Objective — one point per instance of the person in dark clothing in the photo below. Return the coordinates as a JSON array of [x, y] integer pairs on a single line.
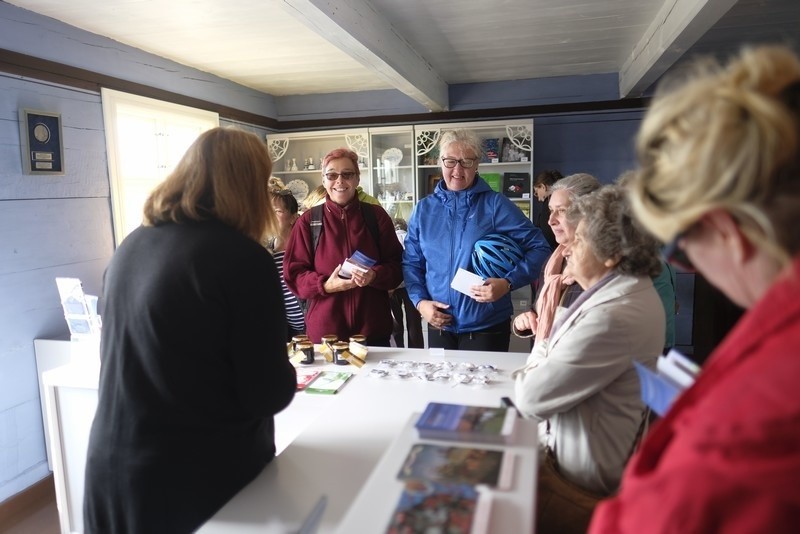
[[193, 354], [542, 185]]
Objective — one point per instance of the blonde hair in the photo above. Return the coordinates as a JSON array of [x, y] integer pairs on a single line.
[[317, 196], [725, 139], [223, 175]]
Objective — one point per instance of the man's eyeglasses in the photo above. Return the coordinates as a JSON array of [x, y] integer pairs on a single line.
[[347, 175], [451, 162], [674, 254]]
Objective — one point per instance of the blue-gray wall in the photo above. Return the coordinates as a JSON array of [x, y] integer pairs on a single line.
[[61, 225]]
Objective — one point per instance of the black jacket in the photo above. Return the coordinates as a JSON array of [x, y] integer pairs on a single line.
[[193, 368]]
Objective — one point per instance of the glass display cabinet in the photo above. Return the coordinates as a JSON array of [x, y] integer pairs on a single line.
[[392, 162]]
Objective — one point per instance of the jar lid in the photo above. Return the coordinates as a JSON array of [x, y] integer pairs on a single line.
[[341, 345]]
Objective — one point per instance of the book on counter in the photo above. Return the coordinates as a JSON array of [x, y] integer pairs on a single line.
[[460, 422], [305, 377], [458, 465], [517, 184], [329, 382], [426, 506]]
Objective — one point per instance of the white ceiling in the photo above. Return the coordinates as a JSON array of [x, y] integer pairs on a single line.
[[420, 47]]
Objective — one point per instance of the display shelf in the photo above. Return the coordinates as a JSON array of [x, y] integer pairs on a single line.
[[511, 144], [399, 164]]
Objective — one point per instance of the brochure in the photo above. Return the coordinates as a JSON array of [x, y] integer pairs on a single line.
[[466, 423], [329, 382], [464, 280], [457, 465], [426, 506], [357, 262], [674, 373]]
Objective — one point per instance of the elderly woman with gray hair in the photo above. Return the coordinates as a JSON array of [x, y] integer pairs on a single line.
[[581, 383]]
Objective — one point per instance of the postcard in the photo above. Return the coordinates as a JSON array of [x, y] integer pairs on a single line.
[[464, 280]]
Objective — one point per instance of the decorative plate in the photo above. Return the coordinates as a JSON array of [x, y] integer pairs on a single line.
[[393, 156], [298, 188]]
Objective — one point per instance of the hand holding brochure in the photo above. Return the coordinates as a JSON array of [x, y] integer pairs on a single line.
[[464, 280], [357, 262], [674, 373]]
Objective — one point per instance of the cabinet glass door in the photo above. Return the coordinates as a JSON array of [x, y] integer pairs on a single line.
[[392, 162]]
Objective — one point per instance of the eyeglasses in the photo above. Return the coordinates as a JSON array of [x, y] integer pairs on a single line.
[[465, 163], [675, 255], [346, 175]]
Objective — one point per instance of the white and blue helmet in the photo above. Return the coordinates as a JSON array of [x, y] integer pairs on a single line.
[[495, 255]]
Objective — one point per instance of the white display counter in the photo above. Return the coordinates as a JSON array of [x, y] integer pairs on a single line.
[[328, 444], [337, 452]]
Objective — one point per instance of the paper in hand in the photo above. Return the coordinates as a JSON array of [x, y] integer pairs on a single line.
[[357, 262], [464, 280]]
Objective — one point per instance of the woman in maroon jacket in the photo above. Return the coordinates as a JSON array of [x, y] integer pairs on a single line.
[[358, 304]]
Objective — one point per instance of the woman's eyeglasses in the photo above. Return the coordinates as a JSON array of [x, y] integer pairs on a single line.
[[465, 163], [347, 175]]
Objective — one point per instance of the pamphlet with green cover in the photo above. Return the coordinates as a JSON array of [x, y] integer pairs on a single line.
[[329, 382], [459, 422]]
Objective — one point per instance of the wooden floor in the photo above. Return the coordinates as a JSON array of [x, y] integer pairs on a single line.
[[32, 513], [43, 520]]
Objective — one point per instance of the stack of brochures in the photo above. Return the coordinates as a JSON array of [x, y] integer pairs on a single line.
[[674, 373], [357, 262], [460, 422]]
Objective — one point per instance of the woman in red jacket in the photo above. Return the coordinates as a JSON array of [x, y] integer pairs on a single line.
[[720, 180], [358, 304]]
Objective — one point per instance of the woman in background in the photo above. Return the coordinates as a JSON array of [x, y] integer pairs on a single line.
[[337, 305], [285, 206], [193, 352], [542, 187], [556, 291], [720, 182]]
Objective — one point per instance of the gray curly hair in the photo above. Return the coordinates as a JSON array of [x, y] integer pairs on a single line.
[[612, 233]]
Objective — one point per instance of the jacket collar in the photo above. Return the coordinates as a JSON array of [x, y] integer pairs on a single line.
[[620, 286]]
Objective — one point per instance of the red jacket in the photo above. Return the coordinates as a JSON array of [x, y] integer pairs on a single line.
[[726, 458], [362, 310]]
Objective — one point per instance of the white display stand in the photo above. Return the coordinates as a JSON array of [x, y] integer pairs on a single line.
[[336, 454], [512, 510]]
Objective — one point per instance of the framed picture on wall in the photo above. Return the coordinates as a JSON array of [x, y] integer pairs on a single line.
[[41, 142]]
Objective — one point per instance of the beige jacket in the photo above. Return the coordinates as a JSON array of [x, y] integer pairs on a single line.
[[582, 386]]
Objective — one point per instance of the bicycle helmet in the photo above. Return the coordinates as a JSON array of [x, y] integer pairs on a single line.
[[495, 255]]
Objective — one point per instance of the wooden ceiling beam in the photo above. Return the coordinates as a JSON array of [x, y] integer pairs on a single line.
[[677, 26], [360, 31]]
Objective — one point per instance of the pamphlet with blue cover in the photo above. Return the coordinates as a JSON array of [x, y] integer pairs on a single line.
[[674, 373], [460, 422]]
